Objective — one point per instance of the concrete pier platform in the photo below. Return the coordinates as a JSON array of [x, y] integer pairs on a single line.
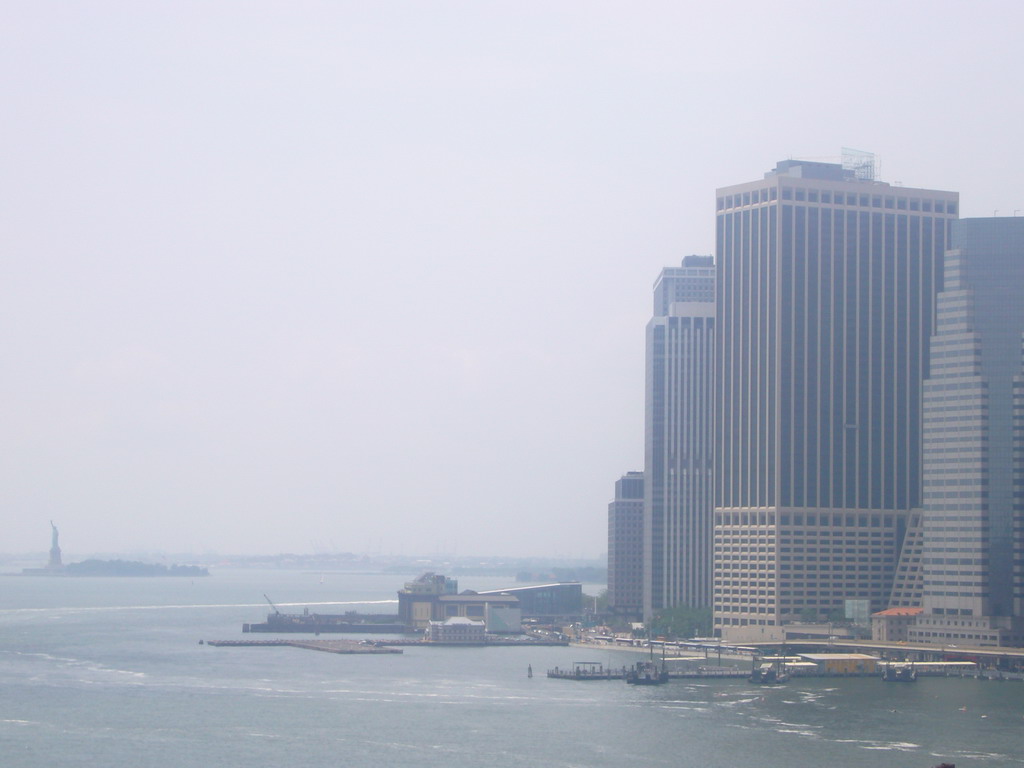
[[327, 646]]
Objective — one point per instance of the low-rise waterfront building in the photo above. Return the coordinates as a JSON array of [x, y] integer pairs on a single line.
[[417, 600], [892, 624], [433, 597], [500, 612], [548, 602], [456, 629]]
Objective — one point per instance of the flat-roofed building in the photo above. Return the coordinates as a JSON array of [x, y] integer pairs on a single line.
[[826, 285], [626, 547], [456, 629], [500, 612], [892, 624], [563, 600], [678, 455], [417, 600]]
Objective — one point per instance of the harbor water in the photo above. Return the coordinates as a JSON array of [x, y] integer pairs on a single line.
[[110, 672]]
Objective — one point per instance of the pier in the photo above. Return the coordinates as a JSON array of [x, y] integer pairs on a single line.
[[327, 646], [592, 670]]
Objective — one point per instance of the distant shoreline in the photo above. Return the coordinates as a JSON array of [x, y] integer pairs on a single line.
[[108, 568]]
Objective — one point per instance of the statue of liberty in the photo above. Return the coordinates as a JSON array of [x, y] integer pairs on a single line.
[[54, 548]]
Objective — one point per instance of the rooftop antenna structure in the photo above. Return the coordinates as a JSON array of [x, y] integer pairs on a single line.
[[865, 165]]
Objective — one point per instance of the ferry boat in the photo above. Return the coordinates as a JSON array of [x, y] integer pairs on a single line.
[[899, 673], [646, 673], [768, 674]]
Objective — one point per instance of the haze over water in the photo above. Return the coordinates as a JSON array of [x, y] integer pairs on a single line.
[[343, 276], [110, 672]]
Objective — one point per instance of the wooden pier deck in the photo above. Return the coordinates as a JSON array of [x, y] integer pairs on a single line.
[[327, 646]]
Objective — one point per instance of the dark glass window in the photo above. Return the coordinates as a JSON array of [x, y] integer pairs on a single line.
[[787, 193], [785, 364], [794, 398]]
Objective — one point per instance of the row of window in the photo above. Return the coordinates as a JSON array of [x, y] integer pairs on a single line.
[[956, 636], [830, 197], [835, 519]]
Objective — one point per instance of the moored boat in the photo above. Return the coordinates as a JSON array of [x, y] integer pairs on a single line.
[[899, 673], [647, 673]]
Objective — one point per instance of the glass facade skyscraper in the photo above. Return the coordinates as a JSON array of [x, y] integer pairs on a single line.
[[678, 455], [825, 305], [972, 569]]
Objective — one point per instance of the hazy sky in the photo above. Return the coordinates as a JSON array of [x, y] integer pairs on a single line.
[[374, 276]]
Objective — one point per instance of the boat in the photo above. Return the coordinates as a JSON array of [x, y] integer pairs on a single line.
[[768, 674], [903, 672], [646, 673]]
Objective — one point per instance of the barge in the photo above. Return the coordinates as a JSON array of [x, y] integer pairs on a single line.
[[322, 623]]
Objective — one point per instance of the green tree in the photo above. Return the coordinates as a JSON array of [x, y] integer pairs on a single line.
[[682, 621]]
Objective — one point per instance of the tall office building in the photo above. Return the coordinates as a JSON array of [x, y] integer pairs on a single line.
[[678, 456], [626, 546], [825, 304], [973, 543]]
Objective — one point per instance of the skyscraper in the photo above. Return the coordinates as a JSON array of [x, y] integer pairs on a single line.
[[826, 288], [626, 546], [973, 529], [678, 456]]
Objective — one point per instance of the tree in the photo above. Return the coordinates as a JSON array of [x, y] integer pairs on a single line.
[[682, 621]]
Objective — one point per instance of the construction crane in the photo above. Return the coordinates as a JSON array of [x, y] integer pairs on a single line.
[[271, 604]]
